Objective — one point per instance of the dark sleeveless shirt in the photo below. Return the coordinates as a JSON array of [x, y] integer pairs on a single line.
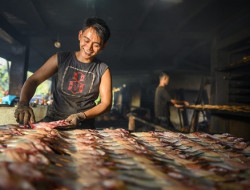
[[161, 103], [76, 85]]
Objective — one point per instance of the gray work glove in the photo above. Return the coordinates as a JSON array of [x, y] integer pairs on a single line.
[[24, 113], [74, 119]]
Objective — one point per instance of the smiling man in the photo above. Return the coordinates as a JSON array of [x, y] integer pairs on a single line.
[[80, 78]]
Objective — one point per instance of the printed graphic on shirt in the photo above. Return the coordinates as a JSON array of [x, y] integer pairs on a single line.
[[77, 82]]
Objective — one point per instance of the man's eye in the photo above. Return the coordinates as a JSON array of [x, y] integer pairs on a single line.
[[86, 41]]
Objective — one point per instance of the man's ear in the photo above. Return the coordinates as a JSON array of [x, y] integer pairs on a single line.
[[104, 45], [79, 34]]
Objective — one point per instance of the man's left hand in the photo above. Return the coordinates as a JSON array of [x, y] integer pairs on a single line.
[[74, 119]]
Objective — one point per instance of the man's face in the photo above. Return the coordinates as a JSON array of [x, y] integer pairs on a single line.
[[90, 44], [166, 80]]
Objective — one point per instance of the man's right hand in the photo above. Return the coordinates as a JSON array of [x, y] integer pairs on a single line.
[[24, 113]]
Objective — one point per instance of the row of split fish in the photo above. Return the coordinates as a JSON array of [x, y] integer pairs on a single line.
[[47, 158]]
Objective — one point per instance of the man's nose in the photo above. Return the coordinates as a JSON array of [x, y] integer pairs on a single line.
[[89, 46]]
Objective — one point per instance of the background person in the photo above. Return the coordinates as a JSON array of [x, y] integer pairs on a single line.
[[162, 102]]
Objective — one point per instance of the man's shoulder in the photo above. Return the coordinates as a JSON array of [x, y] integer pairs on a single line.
[[160, 88], [64, 53], [102, 66], [99, 62]]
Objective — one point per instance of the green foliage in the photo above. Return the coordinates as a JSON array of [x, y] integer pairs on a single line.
[[43, 88], [4, 79], [98, 100]]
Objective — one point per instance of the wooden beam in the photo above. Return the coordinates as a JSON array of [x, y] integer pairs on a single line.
[[193, 12], [9, 29], [37, 13], [237, 37], [140, 22], [181, 55]]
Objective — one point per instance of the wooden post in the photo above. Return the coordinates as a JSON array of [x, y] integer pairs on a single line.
[[18, 70], [19, 56], [131, 123]]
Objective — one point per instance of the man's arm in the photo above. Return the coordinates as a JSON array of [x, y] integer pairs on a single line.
[[24, 113], [179, 103], [105, 90], [43, 73]]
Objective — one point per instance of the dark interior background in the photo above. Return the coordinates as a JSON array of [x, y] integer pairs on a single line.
[[203, 44], [147, 35]]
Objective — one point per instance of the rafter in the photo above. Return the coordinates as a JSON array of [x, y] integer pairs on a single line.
[[11, 31]]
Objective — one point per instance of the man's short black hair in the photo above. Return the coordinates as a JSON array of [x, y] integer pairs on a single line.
[[99, 25], [163, 74]]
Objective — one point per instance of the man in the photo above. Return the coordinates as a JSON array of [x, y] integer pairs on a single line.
[[80, 78], [163, 101]]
